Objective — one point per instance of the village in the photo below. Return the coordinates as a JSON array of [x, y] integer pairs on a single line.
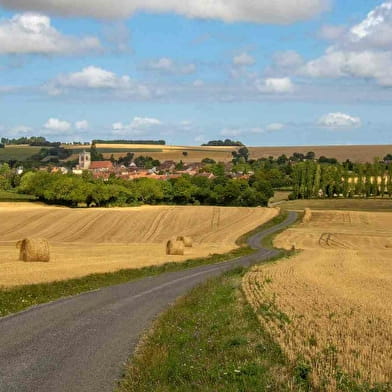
[[166, 170]]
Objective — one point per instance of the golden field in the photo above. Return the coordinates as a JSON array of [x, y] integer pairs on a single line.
[[85, 241], [331, 305], [359, 153]]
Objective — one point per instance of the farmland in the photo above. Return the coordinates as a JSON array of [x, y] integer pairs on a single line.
[[162, 153], [329, 307], [360, 153], [18, 153], [358, 204], [85, 241]]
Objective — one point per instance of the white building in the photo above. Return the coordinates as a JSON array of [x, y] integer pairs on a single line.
[[84, 160]]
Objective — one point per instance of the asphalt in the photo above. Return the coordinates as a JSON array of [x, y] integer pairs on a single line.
[[82, 343]]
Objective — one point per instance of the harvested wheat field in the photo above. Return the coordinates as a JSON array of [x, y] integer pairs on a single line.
[[85, 241], [331, 305]]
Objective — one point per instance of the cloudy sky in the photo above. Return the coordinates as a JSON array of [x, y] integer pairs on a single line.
[[267, 72]]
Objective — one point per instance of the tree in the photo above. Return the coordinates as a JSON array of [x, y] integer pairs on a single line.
[[310, 156], [282, 160], [5, 177], [183, 190], [95, 155]]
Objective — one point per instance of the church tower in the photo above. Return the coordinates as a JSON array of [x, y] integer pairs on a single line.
[[84, 160]]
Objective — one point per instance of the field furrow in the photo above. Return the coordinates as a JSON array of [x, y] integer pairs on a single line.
[[331, 306], [85, 241]]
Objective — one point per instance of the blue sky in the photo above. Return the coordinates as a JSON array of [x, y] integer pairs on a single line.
[[267, 72]]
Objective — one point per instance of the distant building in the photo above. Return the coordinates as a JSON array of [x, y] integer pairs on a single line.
[[84, 160], [78, 172], [101, 166]]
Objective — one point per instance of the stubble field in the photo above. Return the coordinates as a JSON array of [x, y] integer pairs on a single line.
[[85, 241], [359, 153], [330, 307]]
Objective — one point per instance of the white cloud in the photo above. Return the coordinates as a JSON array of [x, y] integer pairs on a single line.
[[31, 33], [288, 59], [376, 28], [361, 64], [82, 124], [95, 78], [138, 126], [244, 59], [339, 121], [364, 51], [56, 125], [276, 85], [275, 127], [331, 32], [168, 65], [261, 11]]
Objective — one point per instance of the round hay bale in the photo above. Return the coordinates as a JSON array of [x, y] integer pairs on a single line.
[[188, 243], [293, 248], [175, 248], [307, 216], [33, 250]]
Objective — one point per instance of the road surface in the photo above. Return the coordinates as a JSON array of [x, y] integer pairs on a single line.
[[81, 343]]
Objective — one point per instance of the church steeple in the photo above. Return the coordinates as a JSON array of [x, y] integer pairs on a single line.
[[84, 160]]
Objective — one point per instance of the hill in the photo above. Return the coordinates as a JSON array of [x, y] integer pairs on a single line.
[[86, 241]]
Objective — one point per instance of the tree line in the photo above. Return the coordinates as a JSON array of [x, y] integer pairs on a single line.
[[72, 190], [312, 180]]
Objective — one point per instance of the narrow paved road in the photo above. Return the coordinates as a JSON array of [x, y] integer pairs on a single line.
[[80, 344]]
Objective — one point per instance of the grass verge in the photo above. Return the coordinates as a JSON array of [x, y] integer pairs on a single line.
[[210, 340], [18, 298], [6, 196]]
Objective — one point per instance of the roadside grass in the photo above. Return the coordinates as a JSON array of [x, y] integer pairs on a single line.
[[242, 241], [210, 340], [280, 196], [6, 196], [16, 299], [339, 204]]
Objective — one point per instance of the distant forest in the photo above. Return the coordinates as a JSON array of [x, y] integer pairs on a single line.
[[226, 142], [31, 141]]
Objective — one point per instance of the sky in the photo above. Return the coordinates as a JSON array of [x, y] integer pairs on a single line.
[[266, 72]]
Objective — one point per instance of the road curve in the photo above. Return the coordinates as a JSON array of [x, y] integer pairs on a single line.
[[81, 343]]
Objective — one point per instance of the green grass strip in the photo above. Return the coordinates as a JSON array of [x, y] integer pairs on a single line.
[[210, 340], [18, 298]]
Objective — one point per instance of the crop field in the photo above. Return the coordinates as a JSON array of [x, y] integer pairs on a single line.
[[359, 204], [19, 153], [224, 154], [330, 307], [85, 241], [162, 153], [359, 153], [218, 153]]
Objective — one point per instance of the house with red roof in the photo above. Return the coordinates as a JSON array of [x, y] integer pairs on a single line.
[[101, 166]]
